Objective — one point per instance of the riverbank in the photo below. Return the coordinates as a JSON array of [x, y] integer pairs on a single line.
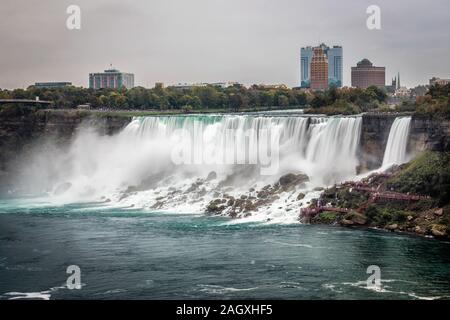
[[412, 198]]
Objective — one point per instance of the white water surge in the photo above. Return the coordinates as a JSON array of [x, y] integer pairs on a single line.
[[395, 152], [135, 167]]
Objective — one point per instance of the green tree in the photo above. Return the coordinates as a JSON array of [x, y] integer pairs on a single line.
[[207, 95], [283, 101], [237, 101]]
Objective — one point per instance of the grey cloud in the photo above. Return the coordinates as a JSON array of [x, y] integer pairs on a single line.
[[250, 41]]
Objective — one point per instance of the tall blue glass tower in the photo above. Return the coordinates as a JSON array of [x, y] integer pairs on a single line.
[[306, 55], [335, 65]]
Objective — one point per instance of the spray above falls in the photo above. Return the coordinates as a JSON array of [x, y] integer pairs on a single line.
[[321, 146]]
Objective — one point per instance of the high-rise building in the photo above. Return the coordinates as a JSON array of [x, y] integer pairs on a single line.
[[319, 70], [112, 79], [365, 74], [335, 62], [439, 81], [306, 55]]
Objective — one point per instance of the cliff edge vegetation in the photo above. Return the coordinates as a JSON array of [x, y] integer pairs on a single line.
[[414, 197]]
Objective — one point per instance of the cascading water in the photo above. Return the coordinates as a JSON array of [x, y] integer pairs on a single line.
[[333, 146], [136, 167], [395, 152]]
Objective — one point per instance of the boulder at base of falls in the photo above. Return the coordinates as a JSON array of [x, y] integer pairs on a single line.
[[216, 206], [290, 180], [346, 222], [392, 227], [354, 218], [438, 230], [301, 196], [211, 176]]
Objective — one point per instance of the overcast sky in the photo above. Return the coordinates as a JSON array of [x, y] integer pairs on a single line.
[[249, 41]]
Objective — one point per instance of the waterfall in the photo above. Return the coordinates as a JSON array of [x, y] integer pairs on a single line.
[[325, 146], [181, 163], [395, 152], [333, 147], [220, 133]]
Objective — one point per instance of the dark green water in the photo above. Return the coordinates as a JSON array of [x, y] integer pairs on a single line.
[[127, 254]]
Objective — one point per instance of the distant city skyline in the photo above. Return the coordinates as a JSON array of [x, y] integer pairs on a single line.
[[334, 56], [247, 41]]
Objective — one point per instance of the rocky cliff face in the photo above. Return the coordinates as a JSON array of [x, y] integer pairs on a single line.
[[374, 135], [429, 134], [426, 133], [20, 128]]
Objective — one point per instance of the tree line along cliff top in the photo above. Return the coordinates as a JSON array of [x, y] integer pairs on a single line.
[[235, 98]]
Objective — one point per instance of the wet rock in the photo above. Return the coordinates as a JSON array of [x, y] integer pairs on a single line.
[[158, 205], [263, 194], [359, 218], [230, 201], [192, 188], [211, 176], [174, 192], [419, 230], [261, 202], [346, 222], [300, 196], [216, 206], [124, 195], [249, 206], [438, 230], [290, 180], [392, 227], [356, 218]]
